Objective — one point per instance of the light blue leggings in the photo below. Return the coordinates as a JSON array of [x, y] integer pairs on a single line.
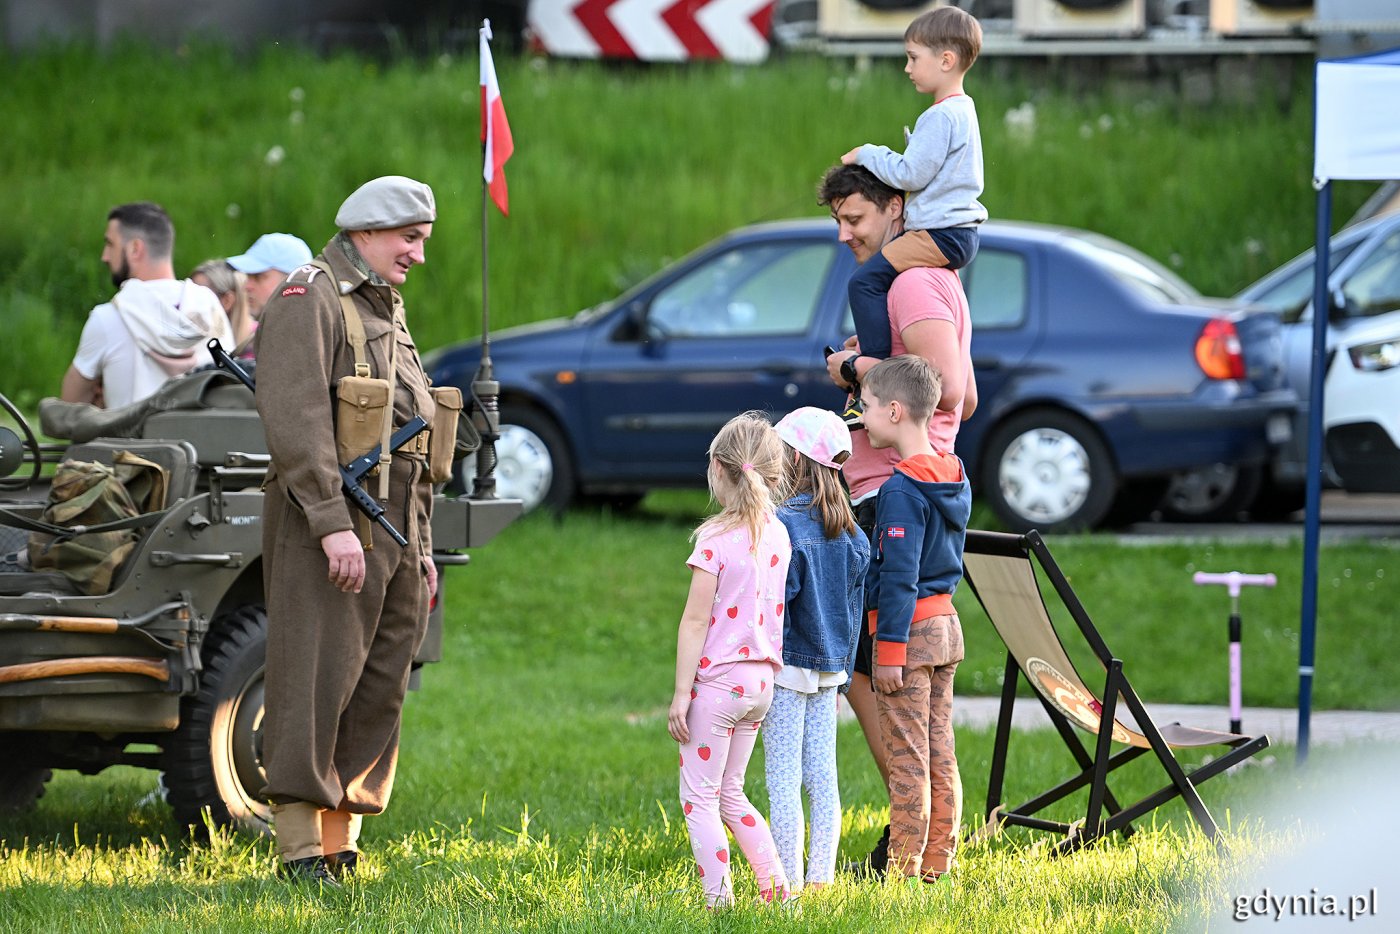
[[799, 751]]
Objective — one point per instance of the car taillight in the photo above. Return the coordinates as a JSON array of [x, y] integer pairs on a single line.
[[1218, 350]]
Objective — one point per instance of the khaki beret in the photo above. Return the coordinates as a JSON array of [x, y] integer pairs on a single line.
[[385, 203]]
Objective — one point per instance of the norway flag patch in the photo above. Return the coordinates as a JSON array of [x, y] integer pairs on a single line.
[[894, 531]]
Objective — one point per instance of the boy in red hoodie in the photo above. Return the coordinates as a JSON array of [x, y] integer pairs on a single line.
[[920, 525]]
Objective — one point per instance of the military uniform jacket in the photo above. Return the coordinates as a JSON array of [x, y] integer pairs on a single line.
[[302, 352]]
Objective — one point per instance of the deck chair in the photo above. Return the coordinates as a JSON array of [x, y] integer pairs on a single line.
[[1000, 569]]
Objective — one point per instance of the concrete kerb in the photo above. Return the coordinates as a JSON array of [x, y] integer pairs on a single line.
[[1280, 723]]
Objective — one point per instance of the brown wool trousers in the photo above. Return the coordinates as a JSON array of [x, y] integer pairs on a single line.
[[916, 727], [338, 663]]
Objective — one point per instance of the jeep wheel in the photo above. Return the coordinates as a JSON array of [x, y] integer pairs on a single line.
[[214, 760], [21, 784]]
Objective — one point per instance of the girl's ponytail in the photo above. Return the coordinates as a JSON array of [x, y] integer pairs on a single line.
[[746, 475]]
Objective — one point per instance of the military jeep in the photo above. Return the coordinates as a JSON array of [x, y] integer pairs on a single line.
[[163, 670]]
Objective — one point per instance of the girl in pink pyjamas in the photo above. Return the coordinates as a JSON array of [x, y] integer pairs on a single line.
[[728, 649]]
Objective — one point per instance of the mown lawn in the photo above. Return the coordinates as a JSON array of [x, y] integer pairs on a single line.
[[537, 788]]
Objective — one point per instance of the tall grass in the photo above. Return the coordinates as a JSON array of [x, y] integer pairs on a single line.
[[616, 170], [537, 785]]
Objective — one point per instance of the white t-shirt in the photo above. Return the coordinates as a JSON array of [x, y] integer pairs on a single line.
[[175, 318], [808, 680]]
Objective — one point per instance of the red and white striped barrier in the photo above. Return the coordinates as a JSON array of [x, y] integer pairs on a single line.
[[653, 30]]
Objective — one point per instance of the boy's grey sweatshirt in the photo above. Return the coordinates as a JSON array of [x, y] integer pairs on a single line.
[[941, 167]]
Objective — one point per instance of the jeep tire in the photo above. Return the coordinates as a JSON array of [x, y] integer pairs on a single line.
[[21, 783], [214, 759]]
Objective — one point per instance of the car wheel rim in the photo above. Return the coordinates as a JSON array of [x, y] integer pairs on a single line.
[[245, 745], [524, 469], [1200, 491], [1045, 475]]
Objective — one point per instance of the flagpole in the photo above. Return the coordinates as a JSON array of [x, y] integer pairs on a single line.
[[484, 386]]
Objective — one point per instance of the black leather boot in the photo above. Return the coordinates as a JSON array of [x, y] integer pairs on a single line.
[[342, 865], [874, 865], [307, 869]]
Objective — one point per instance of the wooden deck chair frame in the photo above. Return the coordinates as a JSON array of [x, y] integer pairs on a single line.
[[1000, 570]]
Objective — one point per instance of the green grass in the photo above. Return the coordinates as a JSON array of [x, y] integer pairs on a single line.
[[617, 171], [537, 786]]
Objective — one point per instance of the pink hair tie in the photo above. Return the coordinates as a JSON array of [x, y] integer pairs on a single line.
[[748, 466]]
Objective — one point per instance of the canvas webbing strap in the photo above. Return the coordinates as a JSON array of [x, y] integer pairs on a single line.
[[355, 335], [63, 533], [354, 327], [386, 456]]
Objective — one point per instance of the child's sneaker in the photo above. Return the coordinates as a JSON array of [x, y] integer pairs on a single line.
[[783, 898], [854, 414]]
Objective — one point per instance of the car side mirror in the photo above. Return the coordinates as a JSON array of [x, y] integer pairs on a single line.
[[631, 326], [1336, 305], [651, 330]]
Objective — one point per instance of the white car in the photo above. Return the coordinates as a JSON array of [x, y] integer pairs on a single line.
[[1361, 414], [1364, 288]]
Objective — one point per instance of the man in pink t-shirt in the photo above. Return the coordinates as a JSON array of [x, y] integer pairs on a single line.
[[925, 303], [928, 318]]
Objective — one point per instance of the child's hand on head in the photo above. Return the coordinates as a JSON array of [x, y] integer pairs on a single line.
[[675, 719], [850, 157]]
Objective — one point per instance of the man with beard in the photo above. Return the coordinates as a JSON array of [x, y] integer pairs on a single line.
[[154, 328]]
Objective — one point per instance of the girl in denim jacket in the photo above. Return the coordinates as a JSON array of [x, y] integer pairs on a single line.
[[824, 600]]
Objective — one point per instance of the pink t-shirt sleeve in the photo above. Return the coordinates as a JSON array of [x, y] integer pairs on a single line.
[[705, 557]]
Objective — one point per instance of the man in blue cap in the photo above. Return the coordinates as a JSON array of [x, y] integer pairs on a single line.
[[270, 259]]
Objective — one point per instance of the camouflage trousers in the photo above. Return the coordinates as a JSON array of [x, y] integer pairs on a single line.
[[916, 727]]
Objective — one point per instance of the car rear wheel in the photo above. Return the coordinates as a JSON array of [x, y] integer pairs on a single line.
[[1136, 501], [214, 760], [1050, 471], [1219, 493], [533, 463]]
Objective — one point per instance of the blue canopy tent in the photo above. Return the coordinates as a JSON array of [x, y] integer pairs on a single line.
[[1356, 136]]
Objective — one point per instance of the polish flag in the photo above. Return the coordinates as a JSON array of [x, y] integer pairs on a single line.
[[497, 145]]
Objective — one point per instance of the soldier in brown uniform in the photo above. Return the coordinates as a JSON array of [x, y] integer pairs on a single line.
[[344, 620]]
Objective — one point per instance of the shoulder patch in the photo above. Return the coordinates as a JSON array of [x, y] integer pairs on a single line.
[[306, 273], [294, 290]]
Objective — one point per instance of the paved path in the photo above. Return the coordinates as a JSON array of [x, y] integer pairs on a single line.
[[1281, 724]]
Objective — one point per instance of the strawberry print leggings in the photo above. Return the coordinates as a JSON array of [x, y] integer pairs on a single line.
[[725, 712]]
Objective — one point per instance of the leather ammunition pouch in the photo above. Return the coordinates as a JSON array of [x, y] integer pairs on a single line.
[[442, 443]]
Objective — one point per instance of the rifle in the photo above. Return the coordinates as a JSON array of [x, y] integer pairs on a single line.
[[352, 473]]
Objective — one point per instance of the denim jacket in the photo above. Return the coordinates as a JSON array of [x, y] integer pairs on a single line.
[[825, 591]]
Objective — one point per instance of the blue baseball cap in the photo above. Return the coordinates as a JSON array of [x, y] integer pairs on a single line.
[[279, 251]]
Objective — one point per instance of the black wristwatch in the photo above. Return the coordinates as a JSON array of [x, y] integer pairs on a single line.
[[848, 370]]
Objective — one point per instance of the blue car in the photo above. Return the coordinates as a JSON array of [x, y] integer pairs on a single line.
[[1100, 373]]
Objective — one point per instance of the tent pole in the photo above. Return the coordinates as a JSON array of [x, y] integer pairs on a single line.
[[1307, 628]]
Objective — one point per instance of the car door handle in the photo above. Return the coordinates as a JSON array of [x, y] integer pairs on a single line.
[[986, 363], [776, 368]]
